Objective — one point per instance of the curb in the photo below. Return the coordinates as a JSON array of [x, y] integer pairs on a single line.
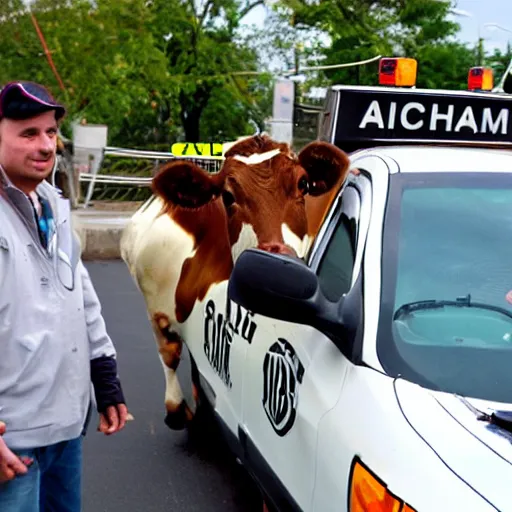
[[100, 233], [100, 244]]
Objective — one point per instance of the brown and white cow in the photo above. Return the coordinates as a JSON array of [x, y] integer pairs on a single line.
[[187, 237]]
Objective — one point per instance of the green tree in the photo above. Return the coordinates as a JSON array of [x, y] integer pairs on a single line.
[[499, 62], [355, 30], [206, 54], [104, 54], [148, 69], [444, 66]]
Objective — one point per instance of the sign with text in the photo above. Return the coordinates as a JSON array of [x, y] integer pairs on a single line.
[[212, 149], [371, 114]]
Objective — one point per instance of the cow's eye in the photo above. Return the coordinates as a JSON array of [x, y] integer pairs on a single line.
[[304, 185], [228, 198]]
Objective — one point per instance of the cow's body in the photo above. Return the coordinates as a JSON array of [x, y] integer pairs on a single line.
[[186, 238]]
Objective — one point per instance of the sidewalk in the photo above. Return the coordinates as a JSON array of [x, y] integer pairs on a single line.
[[100, 226]]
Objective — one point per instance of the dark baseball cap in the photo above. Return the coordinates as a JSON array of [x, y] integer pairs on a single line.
[[23, 100]]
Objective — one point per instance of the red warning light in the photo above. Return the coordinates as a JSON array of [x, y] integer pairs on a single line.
[[480, 79]]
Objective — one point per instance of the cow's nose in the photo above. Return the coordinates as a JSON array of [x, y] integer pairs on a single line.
[[278, 248]]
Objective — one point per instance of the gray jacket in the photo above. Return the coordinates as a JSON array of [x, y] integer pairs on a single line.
[[51, 325]]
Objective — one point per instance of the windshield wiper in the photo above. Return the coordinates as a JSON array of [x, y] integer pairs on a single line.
[[502, 419], [431, 304], [461, 302]]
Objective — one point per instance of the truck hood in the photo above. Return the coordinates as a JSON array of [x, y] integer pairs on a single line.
[[477, 451]]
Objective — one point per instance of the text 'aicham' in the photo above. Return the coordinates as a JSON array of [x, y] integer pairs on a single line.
[[483, 122]]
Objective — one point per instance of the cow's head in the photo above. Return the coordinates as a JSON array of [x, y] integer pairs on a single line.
[[262, 188]]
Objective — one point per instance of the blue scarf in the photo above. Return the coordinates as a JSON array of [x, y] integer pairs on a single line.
[[46, 222]]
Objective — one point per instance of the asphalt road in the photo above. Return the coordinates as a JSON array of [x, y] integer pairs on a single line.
[[148, 467]]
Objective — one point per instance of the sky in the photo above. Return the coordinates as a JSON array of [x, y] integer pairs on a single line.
[[472, 16], [482, 12]]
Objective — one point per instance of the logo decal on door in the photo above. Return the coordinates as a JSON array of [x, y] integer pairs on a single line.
[[282, 374], [218, 335]]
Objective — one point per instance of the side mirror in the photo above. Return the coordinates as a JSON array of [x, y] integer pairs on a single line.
[[284, 288]]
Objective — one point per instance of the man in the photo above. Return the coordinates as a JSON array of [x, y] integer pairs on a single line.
[[54, 347]]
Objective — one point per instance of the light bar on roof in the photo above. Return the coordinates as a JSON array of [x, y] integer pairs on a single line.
[[398, 71], [480, 79]]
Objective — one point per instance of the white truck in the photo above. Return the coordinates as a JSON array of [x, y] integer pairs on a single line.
[[379, 375]]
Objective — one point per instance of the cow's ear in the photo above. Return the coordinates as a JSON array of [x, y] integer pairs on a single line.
[[325, 164], [185, 184]]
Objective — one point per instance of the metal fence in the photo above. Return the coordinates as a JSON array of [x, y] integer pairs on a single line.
[[117, 184]]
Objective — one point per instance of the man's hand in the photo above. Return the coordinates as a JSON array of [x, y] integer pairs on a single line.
[[508, 297], [114, 419], [10, 464]]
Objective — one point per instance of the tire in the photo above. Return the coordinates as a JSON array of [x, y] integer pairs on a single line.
[[204, 420]]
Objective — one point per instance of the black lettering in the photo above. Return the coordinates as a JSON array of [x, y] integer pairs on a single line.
[[219, 349], [235, 322], [238, 318], [228, 341], [218, 337], [209, 328], [214, 152], [249, 327], [241, 321]]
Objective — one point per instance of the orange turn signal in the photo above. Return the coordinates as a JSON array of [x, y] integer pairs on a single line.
[[398, 72], [369, 494]]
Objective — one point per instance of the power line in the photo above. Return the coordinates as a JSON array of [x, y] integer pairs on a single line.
[[333, 66]]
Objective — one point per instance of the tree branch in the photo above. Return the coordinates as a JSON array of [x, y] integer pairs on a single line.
[[193, 6], [250, 7], [207, 7]]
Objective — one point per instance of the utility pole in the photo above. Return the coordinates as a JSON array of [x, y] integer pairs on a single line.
[[46, 51], [480, 52], [296, 62], [40, 35]]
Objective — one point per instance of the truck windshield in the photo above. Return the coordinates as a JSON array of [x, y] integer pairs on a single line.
[[445, 321]]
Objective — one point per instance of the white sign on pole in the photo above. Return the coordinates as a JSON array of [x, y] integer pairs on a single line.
[[89, 142], [282, 112], [90, 136], [284, 90]]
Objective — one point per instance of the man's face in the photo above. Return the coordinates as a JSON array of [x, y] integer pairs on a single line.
[[27, 149]]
